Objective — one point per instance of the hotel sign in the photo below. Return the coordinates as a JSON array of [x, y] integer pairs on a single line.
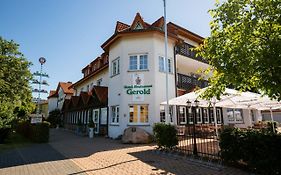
[[138, 89], [134, 90]]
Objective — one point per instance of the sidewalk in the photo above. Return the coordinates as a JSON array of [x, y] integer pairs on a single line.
[[106, 156], [36, 159]]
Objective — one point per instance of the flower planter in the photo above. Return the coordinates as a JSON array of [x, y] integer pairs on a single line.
[[91, 132]]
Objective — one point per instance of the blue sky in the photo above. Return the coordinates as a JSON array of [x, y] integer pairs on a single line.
[[68, 33]]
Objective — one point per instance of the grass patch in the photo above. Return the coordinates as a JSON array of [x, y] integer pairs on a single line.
[[14, 140]]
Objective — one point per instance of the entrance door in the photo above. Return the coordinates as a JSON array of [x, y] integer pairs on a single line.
[[96, 120]]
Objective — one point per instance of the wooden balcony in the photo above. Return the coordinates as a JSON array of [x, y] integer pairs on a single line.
[[185, 50], [188, 82]]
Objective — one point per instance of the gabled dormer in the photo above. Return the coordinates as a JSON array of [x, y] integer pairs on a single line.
[[138, 23]]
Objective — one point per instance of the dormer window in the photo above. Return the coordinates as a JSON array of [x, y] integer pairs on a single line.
[[138, 26]]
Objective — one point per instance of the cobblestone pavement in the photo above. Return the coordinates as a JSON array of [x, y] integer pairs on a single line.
[[37, 159], [106, 156]]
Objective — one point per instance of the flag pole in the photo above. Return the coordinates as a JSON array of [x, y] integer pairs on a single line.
[[166, 65]]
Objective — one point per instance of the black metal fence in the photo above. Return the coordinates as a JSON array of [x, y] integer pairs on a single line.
[[199, 140]]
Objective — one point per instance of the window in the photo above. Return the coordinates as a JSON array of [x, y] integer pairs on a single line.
[[143, 62], [99, 82], [162, 113], [138, 26], [138, 113], [138, 62], [253, 116], [219, 116], [235, 115], [88, 88], [198, 115], [212, 117], [182, 115], [190, 116], [205, 115], [115, 114], [162, 64], [115, 67], [238, 115], [169, 65]]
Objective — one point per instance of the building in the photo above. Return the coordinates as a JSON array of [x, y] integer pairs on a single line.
[[126, 84], [132, 67], [43, 108], [57, 97]]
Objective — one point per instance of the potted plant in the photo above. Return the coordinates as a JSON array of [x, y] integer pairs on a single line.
[[91, 126]]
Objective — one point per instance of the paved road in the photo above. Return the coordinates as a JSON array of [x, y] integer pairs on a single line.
[[74, 155]]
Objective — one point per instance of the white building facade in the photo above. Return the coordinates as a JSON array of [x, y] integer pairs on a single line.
[[132, 67]]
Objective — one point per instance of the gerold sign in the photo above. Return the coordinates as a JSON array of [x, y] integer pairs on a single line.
[[138, 89]]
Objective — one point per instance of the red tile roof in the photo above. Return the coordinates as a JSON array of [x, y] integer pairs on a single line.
[[101, 92], [173, 30], [121, 27], [102, 63], [66, 87], [52, 94], [97, 97]]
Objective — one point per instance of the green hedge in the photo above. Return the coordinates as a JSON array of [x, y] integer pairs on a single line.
[[38, 132], [258, 150], [165, 135]]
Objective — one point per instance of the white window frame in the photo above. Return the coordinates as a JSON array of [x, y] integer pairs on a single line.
[[234, 116], [117, 63], [138, 56], [207, 115], [163, 115], [185, 114], [199, 112], [115, 115], [163, 61], [138, 115], [189, 115], [219, 118]]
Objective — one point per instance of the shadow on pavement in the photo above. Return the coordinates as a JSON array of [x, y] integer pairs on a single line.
[[63, 145], [35, 153]]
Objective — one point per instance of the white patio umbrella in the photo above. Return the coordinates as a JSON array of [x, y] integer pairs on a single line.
[[229, 99]]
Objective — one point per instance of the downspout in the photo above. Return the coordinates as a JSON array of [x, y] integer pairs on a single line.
[[175, 70]]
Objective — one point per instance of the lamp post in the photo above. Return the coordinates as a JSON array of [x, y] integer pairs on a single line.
[[196, 102]]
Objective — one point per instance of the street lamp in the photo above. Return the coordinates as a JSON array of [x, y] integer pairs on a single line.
[[188, 104], [196, 102]]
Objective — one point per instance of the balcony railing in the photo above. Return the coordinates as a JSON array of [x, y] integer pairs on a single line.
[[185, 50], [188, 82]]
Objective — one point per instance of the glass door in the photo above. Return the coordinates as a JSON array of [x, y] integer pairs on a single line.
[[96, 120]]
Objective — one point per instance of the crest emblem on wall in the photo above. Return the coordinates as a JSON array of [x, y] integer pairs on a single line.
[[138, 80]]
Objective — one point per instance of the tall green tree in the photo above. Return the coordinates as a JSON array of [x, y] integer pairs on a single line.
[[244, 48], [15, 91]]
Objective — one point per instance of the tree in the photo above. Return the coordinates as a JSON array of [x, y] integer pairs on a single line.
[[54, 118], [244, 49], [15, 92]]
